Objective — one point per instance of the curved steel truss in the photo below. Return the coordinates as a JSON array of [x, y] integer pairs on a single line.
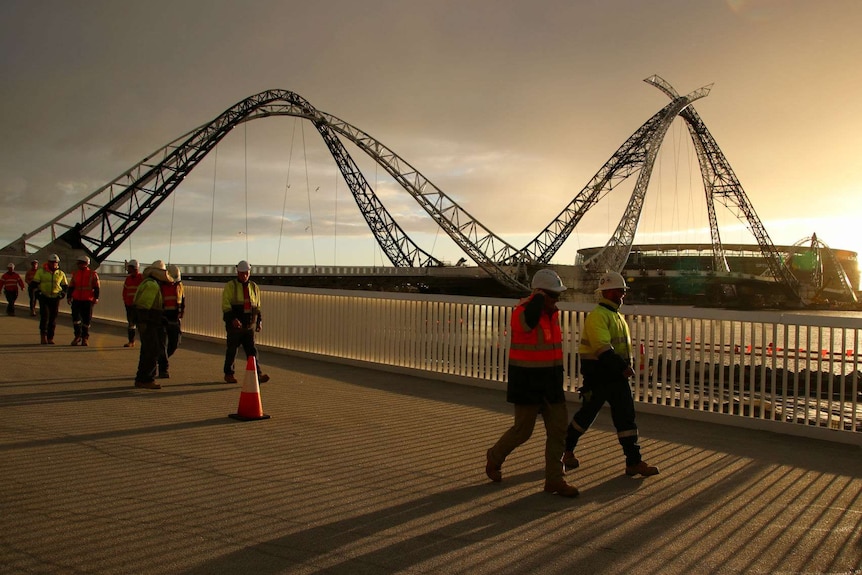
[[107, 217]]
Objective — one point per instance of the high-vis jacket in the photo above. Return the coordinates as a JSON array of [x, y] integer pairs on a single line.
[[84, 285], [234, 305], [51, 284], [174, 299], [149, 295], [130, 286], [606, 330]]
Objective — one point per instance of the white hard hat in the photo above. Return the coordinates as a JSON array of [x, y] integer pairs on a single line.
[[54, 258], [85, 259], [11, 266], [243, 266], [612, 280], [159, 265], [174, 270], [548, 280], [133, 264]]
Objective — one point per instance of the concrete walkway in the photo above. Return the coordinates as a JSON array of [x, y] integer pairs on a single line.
[[366, 472]]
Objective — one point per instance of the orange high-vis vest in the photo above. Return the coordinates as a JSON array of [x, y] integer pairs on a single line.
[[83, 282], [541, 346], [11, 281], [170, 296], [130, 286]]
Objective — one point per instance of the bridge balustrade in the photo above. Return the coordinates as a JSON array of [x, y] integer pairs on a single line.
[[786, 372]]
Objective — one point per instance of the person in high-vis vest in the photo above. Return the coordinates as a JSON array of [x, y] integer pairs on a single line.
[[83, 295], [240, 306], [130, 286], [149, 306], [12, 282], [31, 289], [174, 298], [605, 353], [535, 383], [51, 284]]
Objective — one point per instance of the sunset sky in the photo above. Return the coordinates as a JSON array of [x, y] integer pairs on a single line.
[[509, 106]]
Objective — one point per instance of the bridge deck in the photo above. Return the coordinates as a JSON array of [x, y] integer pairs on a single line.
[[366, 472]]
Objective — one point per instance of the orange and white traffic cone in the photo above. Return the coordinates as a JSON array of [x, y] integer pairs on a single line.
[[250, 407]]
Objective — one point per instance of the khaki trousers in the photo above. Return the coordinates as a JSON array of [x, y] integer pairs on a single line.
[[556, 418]]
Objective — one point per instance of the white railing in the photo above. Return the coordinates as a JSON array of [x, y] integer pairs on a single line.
[[787, 372]]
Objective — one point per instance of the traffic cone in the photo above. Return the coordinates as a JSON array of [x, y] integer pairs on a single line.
[[250, 408]]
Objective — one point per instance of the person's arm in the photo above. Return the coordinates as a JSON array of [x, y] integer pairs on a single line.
[[533, 309]]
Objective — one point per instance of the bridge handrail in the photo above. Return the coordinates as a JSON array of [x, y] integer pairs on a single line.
[[792, 373]]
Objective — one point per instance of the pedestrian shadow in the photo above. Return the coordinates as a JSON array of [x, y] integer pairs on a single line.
[[336, 547], [115, 434]]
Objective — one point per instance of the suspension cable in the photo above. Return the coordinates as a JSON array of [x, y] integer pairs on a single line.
[[171, 233], [286, 188], [245, 145], [308, 195], [212, 213]]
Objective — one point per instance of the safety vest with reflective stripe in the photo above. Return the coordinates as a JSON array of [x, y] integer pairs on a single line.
[[11, 281], [605, 329], [173, 296], [130, 286], [84, 282], [541, 346]]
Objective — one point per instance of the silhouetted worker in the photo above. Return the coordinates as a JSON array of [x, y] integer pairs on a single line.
[[536, 381], [31, 289], [83, 295], [240, 305], [130, 286], [149, 306], [51, 283], [606, 366], [174, 308], [12, 282]]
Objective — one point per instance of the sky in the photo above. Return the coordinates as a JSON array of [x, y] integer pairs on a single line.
[[510, 107]]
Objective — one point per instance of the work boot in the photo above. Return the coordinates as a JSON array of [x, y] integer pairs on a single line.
[[130, 344], [51, 341], [147, 384], [561, 488], [44, 339], [569, 461], [641, 468], [85, 341], [262, 378], [229, 378], [76, 341], [492, 470]]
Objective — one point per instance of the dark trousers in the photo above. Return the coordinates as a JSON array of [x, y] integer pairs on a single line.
[[49, 307], [236, 338], [173, 335], [11, 296], [131, 321], [31, 291], [82, 315], [618, 394], [152, 345]]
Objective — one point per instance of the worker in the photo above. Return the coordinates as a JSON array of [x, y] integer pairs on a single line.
[[173, 296], [606, 366], [83, 295], [31, 290], [149, 306], [242, 319], [51, 283], [130, 286], [12, 282]]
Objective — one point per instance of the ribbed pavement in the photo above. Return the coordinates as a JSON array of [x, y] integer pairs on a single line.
[[368, 472]]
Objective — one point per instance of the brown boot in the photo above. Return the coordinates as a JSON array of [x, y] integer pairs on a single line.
[[44, 340], [492, 470], [130, 344], [561, 488], [85, 341], [642, 468]]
